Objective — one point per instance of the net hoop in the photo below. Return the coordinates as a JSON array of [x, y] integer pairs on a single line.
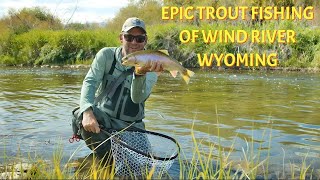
[[110, 131]]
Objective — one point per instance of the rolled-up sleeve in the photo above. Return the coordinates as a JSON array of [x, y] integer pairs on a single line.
[[92, 81], [141, 86]]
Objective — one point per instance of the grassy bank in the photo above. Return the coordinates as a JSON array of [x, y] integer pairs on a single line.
[[43, 47], [209, 161]]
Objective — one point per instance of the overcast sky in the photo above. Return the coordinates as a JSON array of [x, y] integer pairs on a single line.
[[85, 10]]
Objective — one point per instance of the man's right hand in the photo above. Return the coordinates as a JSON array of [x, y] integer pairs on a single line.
[[89, 122]]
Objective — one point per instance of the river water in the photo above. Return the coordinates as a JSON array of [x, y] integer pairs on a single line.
[[277, 111]]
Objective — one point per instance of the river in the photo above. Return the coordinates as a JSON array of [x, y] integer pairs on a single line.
[[278, 111]]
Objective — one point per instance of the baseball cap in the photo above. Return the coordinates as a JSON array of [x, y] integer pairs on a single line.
[[133, 22]]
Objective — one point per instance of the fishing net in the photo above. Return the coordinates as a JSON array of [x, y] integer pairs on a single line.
[[136, 153]]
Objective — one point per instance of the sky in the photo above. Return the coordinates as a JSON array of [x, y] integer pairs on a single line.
[[84, 10]]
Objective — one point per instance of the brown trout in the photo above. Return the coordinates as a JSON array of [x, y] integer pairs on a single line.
[[140, 58]]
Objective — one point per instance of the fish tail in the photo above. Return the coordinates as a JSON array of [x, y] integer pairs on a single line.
[[190, 73], [186, 76]]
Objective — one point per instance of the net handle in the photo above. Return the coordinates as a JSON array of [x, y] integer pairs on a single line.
[[141, 152]]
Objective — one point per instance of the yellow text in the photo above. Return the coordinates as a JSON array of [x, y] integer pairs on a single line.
[[247, 60]]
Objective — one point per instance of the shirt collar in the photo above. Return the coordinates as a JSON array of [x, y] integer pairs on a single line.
[[119, 58]]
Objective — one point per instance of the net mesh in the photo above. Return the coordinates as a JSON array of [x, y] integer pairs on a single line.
[[130, 163]]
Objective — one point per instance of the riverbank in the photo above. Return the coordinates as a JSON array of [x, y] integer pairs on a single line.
[[284, 69], [203, 164], [45, 47]]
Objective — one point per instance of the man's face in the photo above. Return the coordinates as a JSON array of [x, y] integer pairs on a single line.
[[133, 40]]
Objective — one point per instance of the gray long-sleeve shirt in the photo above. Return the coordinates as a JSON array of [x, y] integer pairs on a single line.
[[127, 103]]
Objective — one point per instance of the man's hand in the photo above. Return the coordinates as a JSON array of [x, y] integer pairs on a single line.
[[90, 122], [150, 66]]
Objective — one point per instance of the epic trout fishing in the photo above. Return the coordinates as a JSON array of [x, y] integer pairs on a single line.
[[236, 13]]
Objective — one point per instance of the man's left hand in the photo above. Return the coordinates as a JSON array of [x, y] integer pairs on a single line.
[[150, 66]]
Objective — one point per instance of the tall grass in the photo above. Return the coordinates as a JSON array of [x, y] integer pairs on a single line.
[[251, 165], [205, 163]]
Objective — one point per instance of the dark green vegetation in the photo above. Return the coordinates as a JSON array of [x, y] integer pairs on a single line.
[[32, 36]]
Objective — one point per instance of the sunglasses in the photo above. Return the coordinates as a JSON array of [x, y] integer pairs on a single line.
[[139, 38]]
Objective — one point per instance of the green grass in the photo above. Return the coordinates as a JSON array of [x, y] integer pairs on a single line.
[[204, 164]]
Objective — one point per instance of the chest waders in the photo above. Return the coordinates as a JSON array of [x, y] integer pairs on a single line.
[[113, 108]]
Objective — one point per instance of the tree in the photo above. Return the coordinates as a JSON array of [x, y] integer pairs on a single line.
[[20, 21], [148, 10]]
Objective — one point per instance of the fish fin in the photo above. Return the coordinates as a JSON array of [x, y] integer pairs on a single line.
[[164, 51], [174, 73], [187, 75], [186, 78]]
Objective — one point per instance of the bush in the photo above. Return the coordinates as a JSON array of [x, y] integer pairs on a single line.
[[316, 59], [8, 60], [55, 47]]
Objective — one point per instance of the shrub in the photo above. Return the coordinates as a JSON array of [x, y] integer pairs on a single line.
[[8, 60]]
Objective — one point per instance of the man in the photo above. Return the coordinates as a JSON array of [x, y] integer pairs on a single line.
[[126, 106]]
